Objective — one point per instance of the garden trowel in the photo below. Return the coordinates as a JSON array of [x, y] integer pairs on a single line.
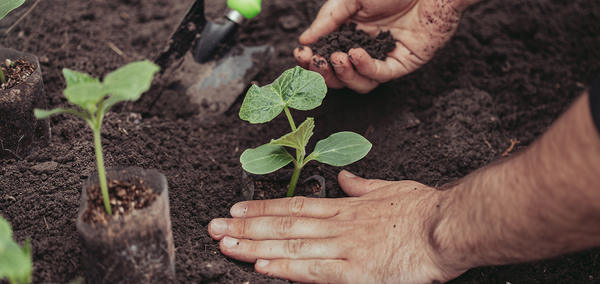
[[203, 58]]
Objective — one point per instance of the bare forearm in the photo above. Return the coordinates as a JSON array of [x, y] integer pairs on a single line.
[[540, 203]]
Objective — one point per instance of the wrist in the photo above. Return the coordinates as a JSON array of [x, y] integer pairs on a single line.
[[445, 242]]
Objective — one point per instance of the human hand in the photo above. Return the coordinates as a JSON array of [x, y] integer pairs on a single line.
[[421, 28], [382, 234]]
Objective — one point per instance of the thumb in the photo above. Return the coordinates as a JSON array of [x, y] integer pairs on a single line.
[[356, 186], [331, 16]]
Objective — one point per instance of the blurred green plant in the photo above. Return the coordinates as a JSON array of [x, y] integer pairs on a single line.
[[15, 261]]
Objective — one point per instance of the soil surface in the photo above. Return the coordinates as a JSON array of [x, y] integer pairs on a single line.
[[15, 73], [511, 69]]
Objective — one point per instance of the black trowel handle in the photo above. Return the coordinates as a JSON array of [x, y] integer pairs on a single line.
[[216, 33], [182, 38]]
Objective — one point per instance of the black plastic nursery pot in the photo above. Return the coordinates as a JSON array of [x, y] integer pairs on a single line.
[[135, 247], [21, 134], [272, 186]]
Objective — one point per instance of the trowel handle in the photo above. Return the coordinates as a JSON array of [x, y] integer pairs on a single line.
[[248, 8]]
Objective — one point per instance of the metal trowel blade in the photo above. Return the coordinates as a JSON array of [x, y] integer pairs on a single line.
[[216, 85]]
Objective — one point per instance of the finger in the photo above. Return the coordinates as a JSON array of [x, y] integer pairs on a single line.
[[319, 64], [345, 72], [303, 55], [296, 206], [378, 70], [356, 186], [307, 271], [250, 250], [273, 228], [331, 16]]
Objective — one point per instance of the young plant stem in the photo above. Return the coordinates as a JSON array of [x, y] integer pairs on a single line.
[[294, 180], [289, 117], [100, 162], [2, 76], [299, 158]]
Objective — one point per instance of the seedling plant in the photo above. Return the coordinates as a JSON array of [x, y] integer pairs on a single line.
[[15, 261], [95, 98], [5, 7], [299, 89]]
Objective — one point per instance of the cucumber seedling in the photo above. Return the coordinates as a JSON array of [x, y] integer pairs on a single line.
[[299, 89], [95, 99]]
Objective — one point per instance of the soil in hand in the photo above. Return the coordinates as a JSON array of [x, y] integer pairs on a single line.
[[348, 37], [15, 73]]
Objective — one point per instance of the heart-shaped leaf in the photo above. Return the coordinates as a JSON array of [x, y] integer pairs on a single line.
[[340, 149], [130, 81], [296, 88], [9, 5], [265, 159]]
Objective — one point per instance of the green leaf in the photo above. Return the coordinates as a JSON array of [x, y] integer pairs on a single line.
[[40, 113], [9, 5], [83, 90], [87, 95], [74, 78], [5, 231], [15, 262], [340, 149], [296, 88], [299, 138], [265, 159], [129, 82]]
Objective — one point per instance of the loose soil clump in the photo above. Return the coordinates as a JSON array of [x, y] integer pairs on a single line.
[[348, 37]]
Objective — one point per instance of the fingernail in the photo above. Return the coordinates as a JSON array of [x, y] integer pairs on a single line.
[[262, 262], [339, 69], [239, 210], [218, 226], [230, 242], [348, 174], [319, 63], [354, 62]]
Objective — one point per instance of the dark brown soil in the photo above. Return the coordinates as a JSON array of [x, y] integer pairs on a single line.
[[15, 73], [347, 37], [124, 196], [512, 68]]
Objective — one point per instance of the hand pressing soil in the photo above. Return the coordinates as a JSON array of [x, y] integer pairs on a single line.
[[347, 37]]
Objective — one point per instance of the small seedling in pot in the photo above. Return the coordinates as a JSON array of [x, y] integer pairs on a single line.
[[5, 7], [15, 261], [302, 90], [96, 98]]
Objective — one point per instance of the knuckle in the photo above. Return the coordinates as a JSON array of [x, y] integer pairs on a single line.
[[242, 227], [295, 247], [297, 205], [283, 226], [314, 269], [262, 208]]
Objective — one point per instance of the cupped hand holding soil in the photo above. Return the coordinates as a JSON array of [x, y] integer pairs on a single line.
[[421, 28]]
